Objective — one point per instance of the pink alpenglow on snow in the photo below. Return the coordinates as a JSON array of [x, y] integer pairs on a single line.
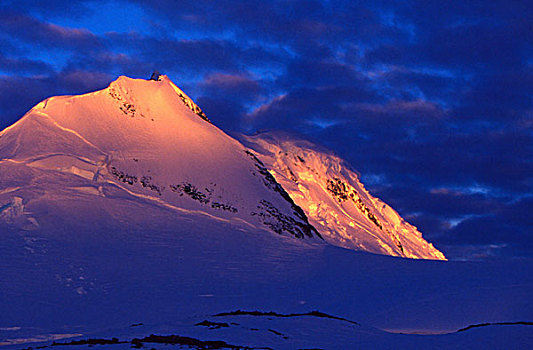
[[148, 138]]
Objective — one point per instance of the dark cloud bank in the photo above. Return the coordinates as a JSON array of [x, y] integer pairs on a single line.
[[431, 101]]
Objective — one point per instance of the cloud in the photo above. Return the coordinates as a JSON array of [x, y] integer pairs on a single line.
[[29, 29], [18, 93], [223, 95], [508, 229], [238, 83], [50, 7], [21, 65], [501, 97]]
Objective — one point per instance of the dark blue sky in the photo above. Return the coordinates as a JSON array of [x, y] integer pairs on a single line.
[[430, 100]]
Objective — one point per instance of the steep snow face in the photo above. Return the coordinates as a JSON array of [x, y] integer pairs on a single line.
[[149, 139], [336, 202]]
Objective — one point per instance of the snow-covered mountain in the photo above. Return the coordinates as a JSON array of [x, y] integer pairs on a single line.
[[336, 201], [148, 139], [126, 216]]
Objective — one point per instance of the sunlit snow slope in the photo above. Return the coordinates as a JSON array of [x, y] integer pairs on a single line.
[[336, 201], [149, 140]]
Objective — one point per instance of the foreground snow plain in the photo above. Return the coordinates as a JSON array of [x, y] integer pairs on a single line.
[[85, 254], [170, 280]]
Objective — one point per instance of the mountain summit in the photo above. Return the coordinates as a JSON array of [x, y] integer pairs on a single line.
[[141, 153]]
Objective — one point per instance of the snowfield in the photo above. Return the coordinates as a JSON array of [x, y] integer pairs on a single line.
[[127, 218]]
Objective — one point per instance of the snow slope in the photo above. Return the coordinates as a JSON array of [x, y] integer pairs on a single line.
[[336, 201]]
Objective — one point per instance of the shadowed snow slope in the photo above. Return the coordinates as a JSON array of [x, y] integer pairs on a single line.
[[336, 202]]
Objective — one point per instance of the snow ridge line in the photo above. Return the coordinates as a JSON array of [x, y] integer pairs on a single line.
[[55, 123], [49, 155], [519, 323], [314, 313]]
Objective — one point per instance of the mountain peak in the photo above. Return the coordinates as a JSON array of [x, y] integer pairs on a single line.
[[142, 140], [143, 86]]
